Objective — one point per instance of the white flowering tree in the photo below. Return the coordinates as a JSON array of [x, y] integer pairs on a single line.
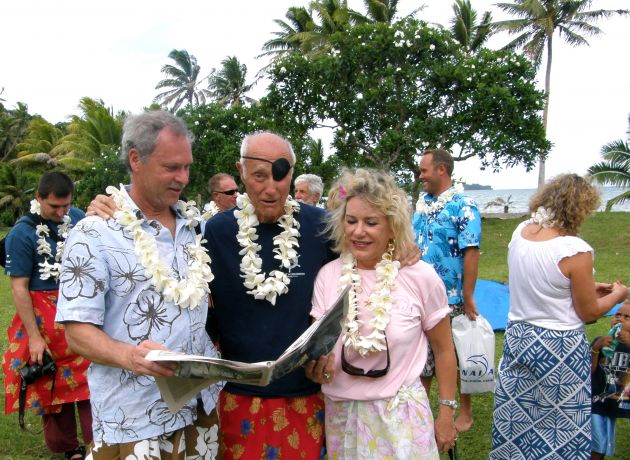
[[389, 91]]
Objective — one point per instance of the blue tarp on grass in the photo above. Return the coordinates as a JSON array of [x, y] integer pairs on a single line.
[[493, 302]]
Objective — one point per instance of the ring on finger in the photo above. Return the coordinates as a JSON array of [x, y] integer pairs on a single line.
[[326, 375]]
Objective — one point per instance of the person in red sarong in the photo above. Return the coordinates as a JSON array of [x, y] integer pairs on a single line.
[[34, 246]]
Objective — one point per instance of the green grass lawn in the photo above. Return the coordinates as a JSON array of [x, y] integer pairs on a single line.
[[606, 232]]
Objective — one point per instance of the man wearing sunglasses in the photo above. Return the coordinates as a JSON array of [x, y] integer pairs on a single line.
[[265, 256], [223, 190]]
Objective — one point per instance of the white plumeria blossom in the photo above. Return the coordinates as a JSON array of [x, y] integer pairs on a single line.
[[436, 206], [286, 244], [210, 210], [379, 303], [543, 217], [187, 292], [49, 270]]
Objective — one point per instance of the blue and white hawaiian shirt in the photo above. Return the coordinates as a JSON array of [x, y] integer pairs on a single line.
[[443, 235], [103, 283]]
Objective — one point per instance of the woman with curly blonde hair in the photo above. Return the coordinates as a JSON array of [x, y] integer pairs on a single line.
[[376, 406], [542, 403]]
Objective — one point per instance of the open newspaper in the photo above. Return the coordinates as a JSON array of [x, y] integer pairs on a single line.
[[194, 372]]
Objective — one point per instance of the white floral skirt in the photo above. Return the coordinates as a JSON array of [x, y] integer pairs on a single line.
[[198, 441], [399, 428]]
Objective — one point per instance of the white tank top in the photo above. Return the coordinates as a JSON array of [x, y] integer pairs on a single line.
[[540, 294]]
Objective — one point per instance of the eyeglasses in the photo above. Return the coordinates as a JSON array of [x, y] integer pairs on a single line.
[[357, 371], [227, 192], [622, 315], [279, 168]]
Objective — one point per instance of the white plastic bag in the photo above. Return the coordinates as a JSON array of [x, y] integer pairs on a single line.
[[474, 342]]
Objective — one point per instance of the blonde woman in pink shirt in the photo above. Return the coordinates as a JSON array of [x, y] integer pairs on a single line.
[[376, 406]]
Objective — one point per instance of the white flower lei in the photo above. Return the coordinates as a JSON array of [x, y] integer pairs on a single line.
[[543, 217], [286, 242], [210, 210], [379, 303], [48, 270], [187, 292], [436, 206]]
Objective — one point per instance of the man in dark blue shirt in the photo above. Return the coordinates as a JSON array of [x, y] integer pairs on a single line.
[[34, 247], [265, 256]]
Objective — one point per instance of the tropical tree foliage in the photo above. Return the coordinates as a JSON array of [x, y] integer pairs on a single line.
[[294, 33], [106, 169], [17, 188], [390, 91], [470, 33], [505, 203], [615, 169], [41, 136], [88, 134], [182, 80], [13, 125], [227, 85], [307, 30], [536, 24]]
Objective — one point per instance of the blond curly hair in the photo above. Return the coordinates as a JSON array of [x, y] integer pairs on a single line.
[[381, 192], [570, 197]]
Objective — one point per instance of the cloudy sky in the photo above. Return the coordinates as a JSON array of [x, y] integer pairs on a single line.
[[52, 53]]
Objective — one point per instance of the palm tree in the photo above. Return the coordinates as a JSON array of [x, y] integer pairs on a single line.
[[306, 34], [465, 28], [295, 33], [615, 171], [15, 190], [182, 79], [381, 11], [537, 23], [227, 85], [500, 201], [41, 136], [13, 124], [88, 135]]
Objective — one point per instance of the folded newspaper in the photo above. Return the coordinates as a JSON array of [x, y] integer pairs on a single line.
[[195, 372]]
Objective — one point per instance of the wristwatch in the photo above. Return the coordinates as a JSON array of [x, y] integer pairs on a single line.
[[449, 403]]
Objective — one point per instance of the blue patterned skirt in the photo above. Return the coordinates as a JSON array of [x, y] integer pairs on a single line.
[[542, 404]]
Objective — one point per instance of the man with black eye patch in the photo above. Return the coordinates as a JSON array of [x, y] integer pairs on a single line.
[[265, 256]]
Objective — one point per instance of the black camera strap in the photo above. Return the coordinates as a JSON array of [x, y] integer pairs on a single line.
[[22, 400]]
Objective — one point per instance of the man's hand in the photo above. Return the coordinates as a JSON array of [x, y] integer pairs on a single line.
[[410, 258], [470, 309], [135, 362], [37, 346], [102, 206]]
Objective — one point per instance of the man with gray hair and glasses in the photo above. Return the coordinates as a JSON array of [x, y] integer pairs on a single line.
[[136, 283], [223, 190], [308, 188]]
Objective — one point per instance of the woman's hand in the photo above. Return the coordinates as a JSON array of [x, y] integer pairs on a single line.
[[321, 371], [445, 432], [102, 206]]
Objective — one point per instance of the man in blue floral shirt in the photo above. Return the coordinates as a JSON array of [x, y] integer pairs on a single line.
[[447, 226], [136, 283]]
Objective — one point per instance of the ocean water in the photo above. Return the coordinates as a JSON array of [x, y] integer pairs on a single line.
[[520, 199]]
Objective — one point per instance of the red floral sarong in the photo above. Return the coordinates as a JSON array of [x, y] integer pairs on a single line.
[[271, 428], [71, 378]]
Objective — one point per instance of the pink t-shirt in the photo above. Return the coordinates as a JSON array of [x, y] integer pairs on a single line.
[[419, 304]]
